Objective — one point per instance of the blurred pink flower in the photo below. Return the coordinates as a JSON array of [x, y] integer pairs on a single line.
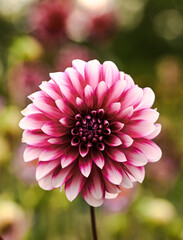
[[91, 128], [102, 27], [69, 53], [48, 20], [27, 76]]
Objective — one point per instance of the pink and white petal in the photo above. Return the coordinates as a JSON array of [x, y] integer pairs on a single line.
[[69, 157], [48, 107], [137, 172], [147, 100], [150, 115], [112, 172], [83, 149], [135, 157], [51, 153], [116, 154], [60, 176], [64, 107], [35, 138], [32, 153], [132, 97], [74, 185], [124, 115], [76, 79], [110, 73], [88, 96], [93, 73], [90, 199], [95, 184], [59, 140], [46, 182], [116, 91], [112, 140], [60, 78], [45, 168], [33, 122], [129, 81], [81, 106], [110, 195], [111, 188], [30, 109], [116, 126], [98, 158], [126, 182], [67, 122], [152, 152], [51, 90], [155, 133], [36, 95], [126, 139], [69, 93], [138, 128], [85, 165], [101, 93], [54, 129], [113, 109], [79, 65]]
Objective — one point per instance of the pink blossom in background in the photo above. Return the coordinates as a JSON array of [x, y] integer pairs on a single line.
[[69, 53], [91, 128], [24, 79], [48, 20]]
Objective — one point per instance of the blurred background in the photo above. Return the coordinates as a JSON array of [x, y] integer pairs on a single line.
[[145, 39]]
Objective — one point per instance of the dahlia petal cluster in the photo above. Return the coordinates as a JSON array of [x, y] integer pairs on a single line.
[[91, 128]]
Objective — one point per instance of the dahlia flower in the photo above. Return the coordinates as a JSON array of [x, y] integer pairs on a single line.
[[91, 128]]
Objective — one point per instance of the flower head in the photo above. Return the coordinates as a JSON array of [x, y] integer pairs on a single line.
[[91, 129]]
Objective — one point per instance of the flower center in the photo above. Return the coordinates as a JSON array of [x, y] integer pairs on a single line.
[[90, 129]]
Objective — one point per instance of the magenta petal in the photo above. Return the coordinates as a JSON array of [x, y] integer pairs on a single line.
[[36, 95], [113, 109], [44, 168], [74, 185], [60, 176], [135, 157], [93, 73], [138, 128], [50, 153], [81, 106], [85, 165], [60, 78], [48, 107], [51, 90], [125, 115], [79, 65], [112, 140], [68, 93], [101, 93], [88, 96], [33, 121], [66, 122], [46, 182], [116, 91], [59, 140], [116, 126], [126, 182], [150, 149], [32, 153], [110, 73], [147, 99], [98, 158], [137, 172], [126, 139], [132, 97], [64, 108], [76, 80], [116, 154], [150, 115], [95, 184], [89, 198], [129, 81], [112, 172], [83, 150], [54, 129], [155, 133], [30, 109], [69, 156], [35, 138], [111, 188]]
